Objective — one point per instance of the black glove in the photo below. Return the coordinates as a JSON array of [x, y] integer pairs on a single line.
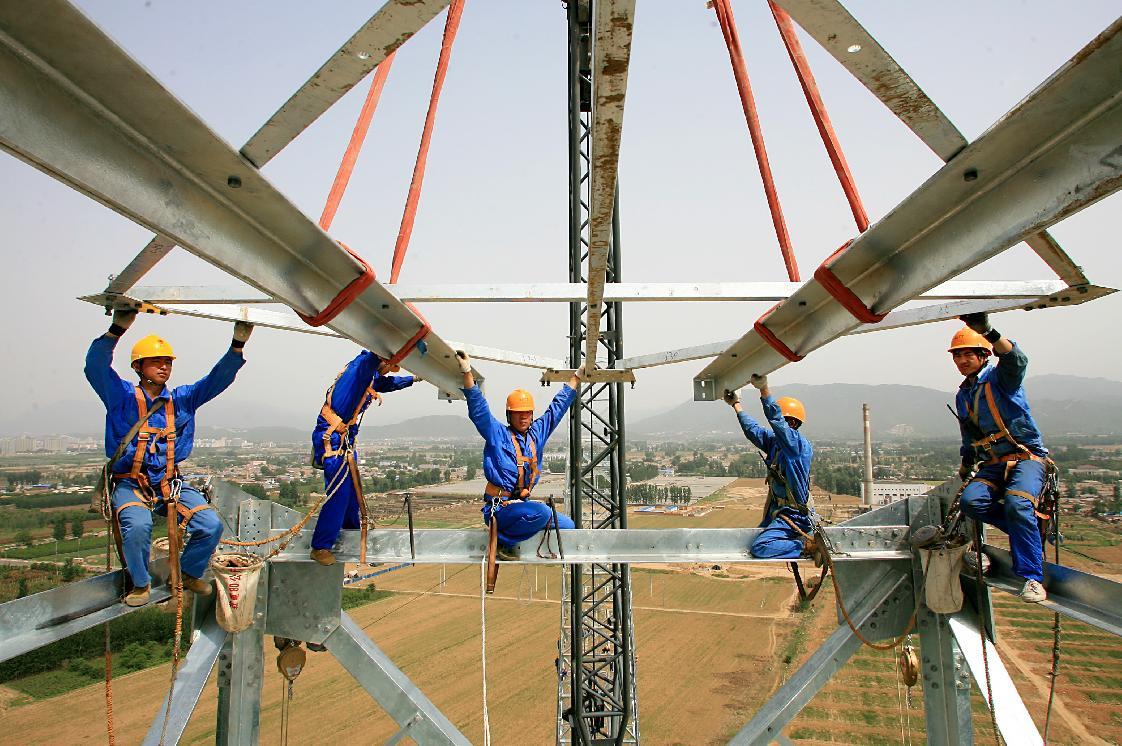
[[979, 322]]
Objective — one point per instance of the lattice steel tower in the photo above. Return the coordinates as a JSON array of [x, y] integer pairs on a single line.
[[596, 700]]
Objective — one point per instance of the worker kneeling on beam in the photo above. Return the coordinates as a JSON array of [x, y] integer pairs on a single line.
[[512, 458], [333, 443], [150, 429], [788, 514], [1003, 453]]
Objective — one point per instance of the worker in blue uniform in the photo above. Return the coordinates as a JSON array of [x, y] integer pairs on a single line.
[[788, 513], [512, 458], [363, 381], [1001, 446], [145, 477]]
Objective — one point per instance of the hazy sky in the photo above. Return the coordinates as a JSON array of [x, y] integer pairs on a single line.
[[494, 205]]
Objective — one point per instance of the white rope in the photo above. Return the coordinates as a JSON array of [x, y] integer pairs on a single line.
[[483, 627]]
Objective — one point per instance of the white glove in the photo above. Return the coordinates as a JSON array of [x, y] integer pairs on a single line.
[[464, 361], [731, 398], [759, 382], [123, 317], [242, 330]]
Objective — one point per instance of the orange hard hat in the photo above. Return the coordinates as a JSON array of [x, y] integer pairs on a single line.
[[151, 346], [520, 400], [791, 408], [968, 339]]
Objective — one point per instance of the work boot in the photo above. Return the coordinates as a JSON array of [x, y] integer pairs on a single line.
[[198, 586], [1033, 592], [970, 564], [323, 556], [316, 647], [138, 596], [508, 554]]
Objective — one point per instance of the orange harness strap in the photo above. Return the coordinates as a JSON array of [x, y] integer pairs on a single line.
[[337, 423], [520, 488]]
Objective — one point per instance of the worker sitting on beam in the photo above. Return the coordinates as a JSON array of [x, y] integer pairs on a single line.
[[153, 429], [1001, 446], [333, 444], [512, 458], [788, 513]]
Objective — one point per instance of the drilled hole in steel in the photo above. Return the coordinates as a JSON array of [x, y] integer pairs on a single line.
[[233, 182], [853, 48]]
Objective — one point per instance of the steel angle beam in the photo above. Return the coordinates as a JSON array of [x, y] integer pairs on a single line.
[[1013, 718], [75, 106], [375, 40], [584, 546], [611, 56], [190, 680], [390, 688], [1055, 153], [1087, 598], [849, 43], [149, 256], [600, 375], [669, 357], [888, 589], [31, 622]]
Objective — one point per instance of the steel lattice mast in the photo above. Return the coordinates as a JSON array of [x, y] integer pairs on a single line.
[[596, 683]]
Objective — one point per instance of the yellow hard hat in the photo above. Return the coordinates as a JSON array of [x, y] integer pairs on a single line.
[[791, 408], [520, 400], [968, 339], [151, 346]]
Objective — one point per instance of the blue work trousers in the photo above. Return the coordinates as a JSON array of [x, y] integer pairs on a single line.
[[341, 509], [204, 531], [778, 540], [1007, 509], [521, 519]]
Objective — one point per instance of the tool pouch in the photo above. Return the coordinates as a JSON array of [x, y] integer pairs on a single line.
[[236, 576], [942, 586]]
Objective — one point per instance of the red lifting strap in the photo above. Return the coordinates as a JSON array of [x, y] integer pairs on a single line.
[[353, 289], [413, 341], [775, 342], [849, 300]]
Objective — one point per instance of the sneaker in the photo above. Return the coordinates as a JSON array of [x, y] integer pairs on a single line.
[[138, 596], [1033, 592], [323, 556], [198, 586], [508, 554], [316, 647]]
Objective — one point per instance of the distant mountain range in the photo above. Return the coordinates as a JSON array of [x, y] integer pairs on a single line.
[[1062, 405]]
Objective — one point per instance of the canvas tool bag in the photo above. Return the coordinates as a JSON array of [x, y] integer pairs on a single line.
[[942, 585], [236, 575]]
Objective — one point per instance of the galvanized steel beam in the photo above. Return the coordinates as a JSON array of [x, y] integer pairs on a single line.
[[1054, 154], [389, 28], [611, 55], [75, 106], [596, 545], [849, 43], [390, 688]]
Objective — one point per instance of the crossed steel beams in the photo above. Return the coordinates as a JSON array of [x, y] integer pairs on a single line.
[[75, 106], [300, 599], [1054, 154]]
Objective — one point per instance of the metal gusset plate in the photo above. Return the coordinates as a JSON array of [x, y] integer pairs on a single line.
[[1057, 152], [76, 106]]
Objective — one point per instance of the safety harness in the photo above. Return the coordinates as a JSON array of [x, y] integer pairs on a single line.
[[346, 449], [499, 497], [1043, 504]]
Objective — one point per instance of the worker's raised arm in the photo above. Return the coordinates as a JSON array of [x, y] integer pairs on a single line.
[[785, 435], [99, 360], [757, 434], [1012, 362], [479, 412], [555, 412]]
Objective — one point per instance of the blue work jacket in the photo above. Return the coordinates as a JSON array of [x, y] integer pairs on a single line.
[[783, 446], [1006, 381], [120, 406], [499, 465], [347, 393]]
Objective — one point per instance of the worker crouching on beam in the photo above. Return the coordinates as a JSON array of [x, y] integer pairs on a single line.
[[512, 458], [159, 424], [788, 514], [333, 445], [1003, 453]]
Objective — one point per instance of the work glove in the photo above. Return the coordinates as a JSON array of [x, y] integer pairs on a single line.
[[731, 398], [979, 322], [964, 471], [123, 317], [759, 381], [582, 373], [242, 330], [464, 361]]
